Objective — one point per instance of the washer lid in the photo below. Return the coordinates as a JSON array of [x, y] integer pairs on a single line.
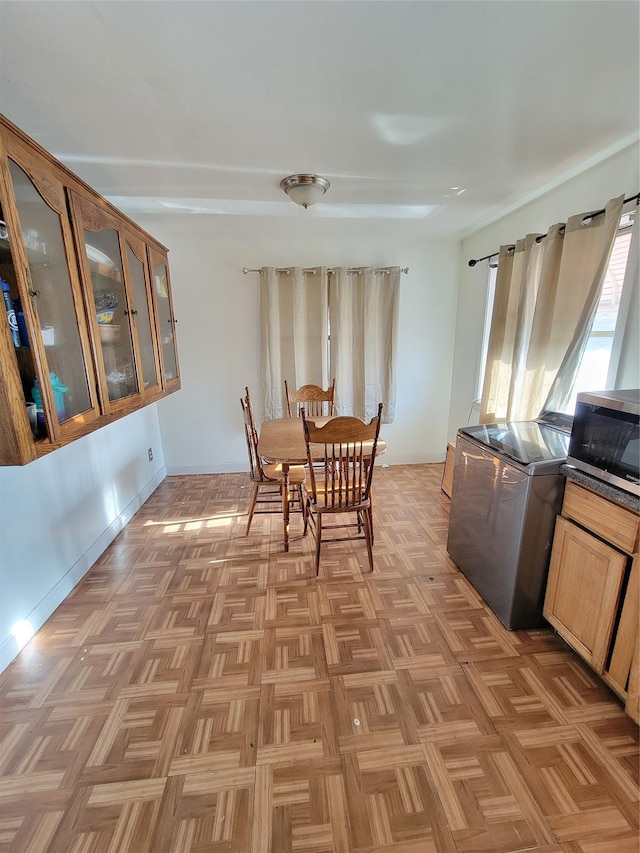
[[526, 442]]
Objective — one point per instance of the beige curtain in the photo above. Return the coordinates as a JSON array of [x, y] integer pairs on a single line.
[[363, 307], [294, 333], [547, 292]]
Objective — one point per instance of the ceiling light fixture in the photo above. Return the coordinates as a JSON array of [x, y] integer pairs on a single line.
[[305, 189]]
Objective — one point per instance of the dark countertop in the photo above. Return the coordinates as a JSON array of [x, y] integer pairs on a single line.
[[606, 490]]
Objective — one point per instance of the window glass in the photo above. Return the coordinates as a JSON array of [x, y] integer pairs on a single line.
[[592, 375], [56, 311]]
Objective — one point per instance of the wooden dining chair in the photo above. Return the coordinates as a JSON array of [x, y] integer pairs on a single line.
[[317, 401], [267, 477], [341, 465]]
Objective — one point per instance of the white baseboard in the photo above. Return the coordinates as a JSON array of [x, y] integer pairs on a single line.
[[240, 468], [228, 468], [410, 459], [56, 595]]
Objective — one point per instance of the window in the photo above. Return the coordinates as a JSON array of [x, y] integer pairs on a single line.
[[599, 362], [594, 368], [312, 332]]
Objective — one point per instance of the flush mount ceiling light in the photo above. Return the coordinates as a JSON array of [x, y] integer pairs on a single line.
[[305, 189]]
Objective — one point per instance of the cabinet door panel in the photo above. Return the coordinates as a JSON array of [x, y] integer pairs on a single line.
[[583, 591], [102, 246], [53, 310], [626, 638], [166, 319], [111, 311], [142, 312], [633, 693]]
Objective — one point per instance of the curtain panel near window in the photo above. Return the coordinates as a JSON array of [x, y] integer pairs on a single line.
[[317, 324], [294, 333], [363, 310], [546, 296]]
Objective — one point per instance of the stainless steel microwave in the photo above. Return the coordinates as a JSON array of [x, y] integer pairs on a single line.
[[605, 437]]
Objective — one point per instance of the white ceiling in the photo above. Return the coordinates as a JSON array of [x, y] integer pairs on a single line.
[[205, 106]]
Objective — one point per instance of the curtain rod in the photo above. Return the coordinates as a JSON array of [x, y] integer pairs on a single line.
[[475, 261], [330, 270]]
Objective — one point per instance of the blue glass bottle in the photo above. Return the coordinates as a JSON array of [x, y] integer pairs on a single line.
[[11, 313]]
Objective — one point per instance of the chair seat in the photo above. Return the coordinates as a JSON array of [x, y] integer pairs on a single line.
[[273, 471], [344, 499]]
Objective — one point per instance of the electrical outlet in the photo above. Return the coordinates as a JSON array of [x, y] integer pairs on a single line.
[[150, 454]]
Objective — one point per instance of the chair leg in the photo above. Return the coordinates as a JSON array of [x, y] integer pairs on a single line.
[[318, 541], [368, 532], [304, 509], [252, 506]]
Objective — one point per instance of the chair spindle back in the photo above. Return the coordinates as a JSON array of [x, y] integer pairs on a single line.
[[318, 402]]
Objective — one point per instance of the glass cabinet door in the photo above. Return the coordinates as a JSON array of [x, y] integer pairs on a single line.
[[111, 312], [66, 387], [109, 302], [143, 320], [166, 319]]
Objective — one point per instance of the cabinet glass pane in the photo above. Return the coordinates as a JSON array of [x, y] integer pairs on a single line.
[[142, 319], [112, 313], [43, 242], [166, 322]]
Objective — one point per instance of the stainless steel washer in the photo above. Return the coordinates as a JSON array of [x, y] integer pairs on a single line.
[[507, 491]]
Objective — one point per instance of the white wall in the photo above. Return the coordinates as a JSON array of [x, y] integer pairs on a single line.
[[589, 191], [60, 512], [217, 308]]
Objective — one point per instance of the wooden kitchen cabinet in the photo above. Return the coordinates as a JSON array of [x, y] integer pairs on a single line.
[[593, 586], [66, 248]]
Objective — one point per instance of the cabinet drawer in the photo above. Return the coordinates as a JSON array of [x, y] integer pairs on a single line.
[[602, 517]]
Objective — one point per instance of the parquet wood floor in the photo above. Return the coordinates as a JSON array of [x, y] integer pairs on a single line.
[[202, 691]]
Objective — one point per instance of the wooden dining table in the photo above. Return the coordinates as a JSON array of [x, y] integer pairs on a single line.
[[281, 440]]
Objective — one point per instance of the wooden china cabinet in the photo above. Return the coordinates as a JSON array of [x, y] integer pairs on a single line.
[[91, 291]]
